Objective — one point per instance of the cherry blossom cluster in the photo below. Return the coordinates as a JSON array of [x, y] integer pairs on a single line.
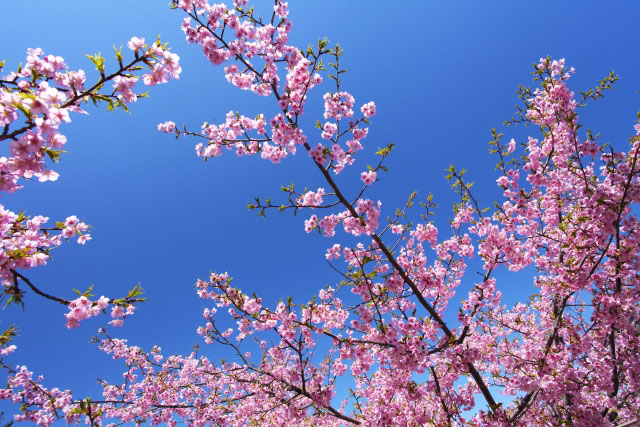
[[258, 49], [341, 157], [40, 404], [368, 177], [44, 92], [311, 198], [120, 312], [26, 241], [82, 308], [363, 219], [338, 105], [226, 135], [167, 127]]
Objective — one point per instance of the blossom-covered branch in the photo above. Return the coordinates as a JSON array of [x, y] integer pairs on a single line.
[[42, 94]]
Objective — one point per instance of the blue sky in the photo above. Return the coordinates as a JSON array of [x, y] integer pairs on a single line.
[[441, 73]]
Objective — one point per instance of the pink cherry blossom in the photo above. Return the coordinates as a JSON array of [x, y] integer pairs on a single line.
[[167, 127], [368, 177], [135, 43], [368, 109]]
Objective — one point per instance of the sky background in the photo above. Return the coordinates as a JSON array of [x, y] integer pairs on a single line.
[[442, 74]]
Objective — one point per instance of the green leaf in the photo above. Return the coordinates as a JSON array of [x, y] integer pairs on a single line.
[[385, 151], [87, 293], [98, 61], [322, 43], [118, 53], [54, 155], [8, 335], [135, 292]]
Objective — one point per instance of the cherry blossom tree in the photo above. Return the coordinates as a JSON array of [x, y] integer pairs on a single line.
[[375, 348]]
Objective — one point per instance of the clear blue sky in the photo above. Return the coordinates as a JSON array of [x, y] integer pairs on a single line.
[[441, 73]]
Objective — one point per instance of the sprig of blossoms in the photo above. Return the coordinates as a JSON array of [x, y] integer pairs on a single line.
[[259, 49], [25, 242], [81, 308], [43, 93]]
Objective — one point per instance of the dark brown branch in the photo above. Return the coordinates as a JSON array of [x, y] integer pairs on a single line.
[[76, 97], [17, 276]]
